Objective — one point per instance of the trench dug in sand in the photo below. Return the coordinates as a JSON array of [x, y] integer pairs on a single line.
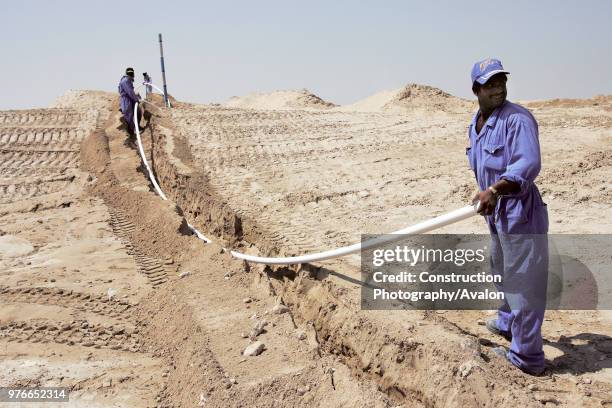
[[93, 300]]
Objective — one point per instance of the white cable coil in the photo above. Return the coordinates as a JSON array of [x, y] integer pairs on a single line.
[[422, 227]]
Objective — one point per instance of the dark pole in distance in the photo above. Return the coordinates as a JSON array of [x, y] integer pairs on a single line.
[[163, 69]]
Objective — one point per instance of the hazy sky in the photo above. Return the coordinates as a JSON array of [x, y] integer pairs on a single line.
[[340, 50]]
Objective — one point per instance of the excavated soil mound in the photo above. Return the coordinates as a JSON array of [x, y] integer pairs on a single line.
[[302, 99], [410, 98], [84, 99]]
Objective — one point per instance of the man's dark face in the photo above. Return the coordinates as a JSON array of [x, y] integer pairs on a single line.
[[493, 93]]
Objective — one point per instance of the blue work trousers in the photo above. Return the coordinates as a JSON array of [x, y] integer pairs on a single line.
[[522, 262], [128, 115]]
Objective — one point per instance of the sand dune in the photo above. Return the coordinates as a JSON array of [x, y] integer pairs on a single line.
[[411, 97], [289, 99]]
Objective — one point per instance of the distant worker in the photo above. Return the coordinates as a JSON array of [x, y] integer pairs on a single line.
[[146, 82], [504, 154], [128, 99]]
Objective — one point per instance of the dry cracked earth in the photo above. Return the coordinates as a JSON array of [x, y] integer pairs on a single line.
[[104, 290]]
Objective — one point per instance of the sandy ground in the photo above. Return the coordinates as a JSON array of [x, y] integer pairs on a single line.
[[81, 262], [91, 257], [60, 258], [307, 181]]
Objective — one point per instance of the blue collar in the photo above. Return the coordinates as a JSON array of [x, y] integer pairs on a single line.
[[491, 121]]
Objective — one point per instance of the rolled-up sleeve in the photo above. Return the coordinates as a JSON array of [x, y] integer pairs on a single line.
[[523, 146]]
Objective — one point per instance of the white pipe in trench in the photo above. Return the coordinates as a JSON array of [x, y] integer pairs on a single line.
[[422, 227], [156, 87]]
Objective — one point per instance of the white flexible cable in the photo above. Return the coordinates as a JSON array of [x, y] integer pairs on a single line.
[[142, 154], [152, 176], [425, 226], [149, 103], [199, 234], [156, 87]]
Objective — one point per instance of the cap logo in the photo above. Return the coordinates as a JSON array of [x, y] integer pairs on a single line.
[[484, 64]]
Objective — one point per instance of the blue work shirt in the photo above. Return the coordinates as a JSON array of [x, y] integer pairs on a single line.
[[507, 147], [127, 95]]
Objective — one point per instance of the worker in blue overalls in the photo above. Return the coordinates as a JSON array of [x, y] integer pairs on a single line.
[[127, 99], [504, 154]]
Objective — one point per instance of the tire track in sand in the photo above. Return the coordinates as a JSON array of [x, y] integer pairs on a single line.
[[151, 267]]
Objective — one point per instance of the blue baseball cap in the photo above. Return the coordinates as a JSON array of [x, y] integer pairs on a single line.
[[485, 69]]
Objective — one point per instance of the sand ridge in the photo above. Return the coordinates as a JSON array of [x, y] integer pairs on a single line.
[[287, 99], [411, 97]]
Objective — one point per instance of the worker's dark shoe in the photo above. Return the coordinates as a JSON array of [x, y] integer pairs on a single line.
[[492, 327], [501, 352]]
